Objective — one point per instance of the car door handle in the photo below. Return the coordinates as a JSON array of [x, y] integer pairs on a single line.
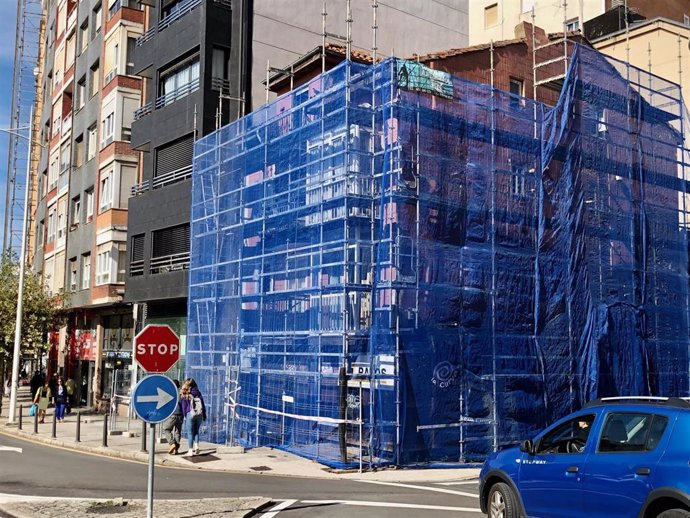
[[643, 471], [572, 469]]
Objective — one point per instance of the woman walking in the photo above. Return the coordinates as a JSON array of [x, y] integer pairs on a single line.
[[194, 410], [60, 400], [42, 398], [173, 426]]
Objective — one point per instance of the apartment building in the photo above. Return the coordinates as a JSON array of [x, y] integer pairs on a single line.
[[85, 174], [496, 19], [203, 65]]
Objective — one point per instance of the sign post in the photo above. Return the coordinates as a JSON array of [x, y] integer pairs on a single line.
[[156, 349]]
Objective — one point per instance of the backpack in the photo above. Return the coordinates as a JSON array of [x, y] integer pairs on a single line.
[[196, 407]]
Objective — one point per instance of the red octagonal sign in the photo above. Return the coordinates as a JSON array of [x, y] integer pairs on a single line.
[[157, 348]]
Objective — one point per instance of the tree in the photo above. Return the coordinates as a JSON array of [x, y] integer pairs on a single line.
[[43, 312]]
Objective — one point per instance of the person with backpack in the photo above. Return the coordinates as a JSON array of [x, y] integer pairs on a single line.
[[194, 410]]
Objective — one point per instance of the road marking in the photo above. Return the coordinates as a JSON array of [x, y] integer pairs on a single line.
[[459, 483], [273, 511], [423, 488], [10, 448], [393, 505]]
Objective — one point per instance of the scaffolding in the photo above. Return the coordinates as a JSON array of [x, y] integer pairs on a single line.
[[390, 265], [26, 88]]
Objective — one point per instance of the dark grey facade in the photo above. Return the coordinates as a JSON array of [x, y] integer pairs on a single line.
[[181, 36]]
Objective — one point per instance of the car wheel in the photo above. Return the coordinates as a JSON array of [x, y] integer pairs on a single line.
[[675, 513], [501, 502]]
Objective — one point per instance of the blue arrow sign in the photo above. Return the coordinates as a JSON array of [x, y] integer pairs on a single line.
[[155, 398]]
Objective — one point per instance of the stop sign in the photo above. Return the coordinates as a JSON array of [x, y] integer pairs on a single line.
[[157, 348]]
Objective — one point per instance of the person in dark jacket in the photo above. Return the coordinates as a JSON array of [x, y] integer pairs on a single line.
[[194, 411], [61, 397], [173, 426]]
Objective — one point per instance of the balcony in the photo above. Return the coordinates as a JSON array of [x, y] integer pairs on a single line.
[[136, 268], [143, 111], [178, 175], [169, 263], [139, 188], [176, 94], [182, 9], [220, 85]]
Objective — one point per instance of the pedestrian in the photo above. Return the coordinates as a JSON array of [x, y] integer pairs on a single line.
[[194, 411], [42, 398], [8, 385], [60, 400], [70, 385], [173, 426], [53, 382], [35, 382]]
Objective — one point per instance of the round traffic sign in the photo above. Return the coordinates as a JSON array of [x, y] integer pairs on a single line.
[[155, 398], [156, 348]]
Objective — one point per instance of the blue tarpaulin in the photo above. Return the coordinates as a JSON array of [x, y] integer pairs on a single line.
[[412, 268]]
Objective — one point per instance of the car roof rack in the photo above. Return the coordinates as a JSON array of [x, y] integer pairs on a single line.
[[674, 402]]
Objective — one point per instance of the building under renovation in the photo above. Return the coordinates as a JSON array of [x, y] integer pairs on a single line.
[[393, 265]]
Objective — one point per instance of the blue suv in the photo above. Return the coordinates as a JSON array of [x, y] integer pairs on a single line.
[[616, 457]]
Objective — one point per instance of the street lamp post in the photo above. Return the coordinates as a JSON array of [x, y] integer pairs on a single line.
[[22, 271]]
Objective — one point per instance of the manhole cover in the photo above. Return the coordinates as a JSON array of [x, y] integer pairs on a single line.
[[260, 468]]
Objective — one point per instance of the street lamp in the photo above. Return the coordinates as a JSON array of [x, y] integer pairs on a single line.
[[22, 267]]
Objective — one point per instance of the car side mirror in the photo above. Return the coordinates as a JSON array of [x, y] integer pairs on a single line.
[[527, 447]]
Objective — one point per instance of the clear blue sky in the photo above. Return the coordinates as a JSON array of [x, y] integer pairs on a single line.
[[8, 17]]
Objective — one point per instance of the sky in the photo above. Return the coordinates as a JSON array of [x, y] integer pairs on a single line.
[[8, 20]]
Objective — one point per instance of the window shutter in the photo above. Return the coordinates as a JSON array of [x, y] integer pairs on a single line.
[[171, 241], [138, 247], [175, 156]]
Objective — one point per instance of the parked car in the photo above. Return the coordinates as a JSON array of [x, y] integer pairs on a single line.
[[616, 457]]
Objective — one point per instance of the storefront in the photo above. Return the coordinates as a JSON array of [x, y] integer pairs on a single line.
[[116, 355], [82, 355]]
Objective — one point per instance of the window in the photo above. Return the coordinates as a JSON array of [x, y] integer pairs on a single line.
[[121, 262], [686, 19], [105, 196], [113, 9], [53, 172], [79, 151], [97, 17], [626, 432], [73, 272], [76, 211], [70, 47], [52, 219], [572, 25], [107, 129], [44, 182], [131, 43], [220, 69], [84, 36], [517, 181], [517, 88], [81, 93], [103, 264], [61, 223], [602, 126], [91, 143], [490, 15], [85, 271], [136, 266], [175, 158], [40, 232], [65, 156], [170, 250], [179, 81], [88, 194], [569, 437], [94, 79]]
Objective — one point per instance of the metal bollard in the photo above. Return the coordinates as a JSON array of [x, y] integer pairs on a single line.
[[54, 434], [143, 437], [78, 437], [36, 422], [21, 411], [105, 430]]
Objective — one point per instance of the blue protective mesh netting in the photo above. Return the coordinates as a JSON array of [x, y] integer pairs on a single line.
[[397, 265]]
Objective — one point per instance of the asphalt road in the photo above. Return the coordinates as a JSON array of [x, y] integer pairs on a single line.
[[41, 470]]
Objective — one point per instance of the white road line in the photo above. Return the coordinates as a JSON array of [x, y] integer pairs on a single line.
[[423, 488], [10, 448], [460, 483], [392, 505], [273, 511]]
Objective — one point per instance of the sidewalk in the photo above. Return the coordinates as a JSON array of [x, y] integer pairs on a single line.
[[212, 456]]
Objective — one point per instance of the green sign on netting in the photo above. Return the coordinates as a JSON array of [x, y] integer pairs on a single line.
[[415, 76]]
